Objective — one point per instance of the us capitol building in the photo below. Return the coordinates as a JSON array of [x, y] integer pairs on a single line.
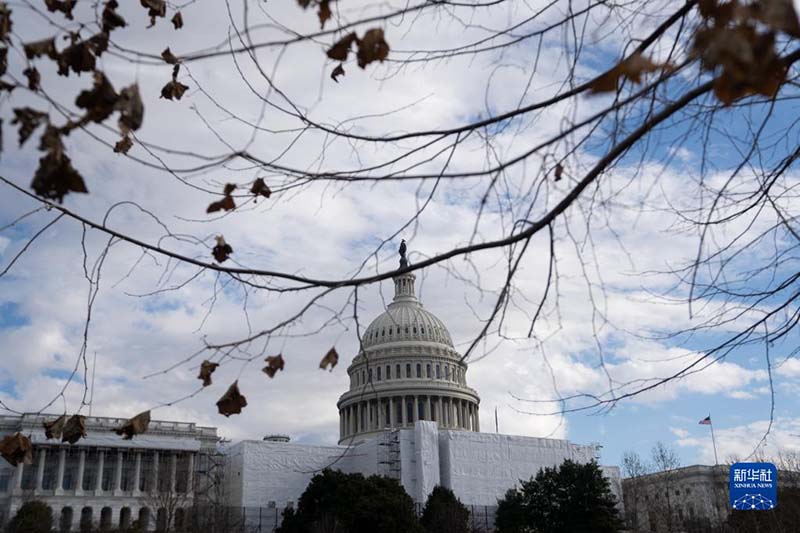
[[408, 414]]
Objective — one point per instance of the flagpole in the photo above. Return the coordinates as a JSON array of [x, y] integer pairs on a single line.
[[713, 440]]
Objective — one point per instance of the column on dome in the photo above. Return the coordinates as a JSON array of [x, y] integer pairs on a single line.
[[404, 410], [464, 419], [415, 414], [439, 411], [477, 418], [392, 412], [428, 408]]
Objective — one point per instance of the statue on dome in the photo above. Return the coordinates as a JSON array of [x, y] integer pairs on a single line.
[[403, 259]]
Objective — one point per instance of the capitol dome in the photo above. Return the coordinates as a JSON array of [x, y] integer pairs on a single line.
[[407, 370]]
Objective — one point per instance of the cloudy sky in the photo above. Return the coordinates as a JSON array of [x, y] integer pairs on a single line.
[[604, 322]]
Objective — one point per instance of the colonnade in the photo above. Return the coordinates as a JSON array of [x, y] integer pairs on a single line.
[[118, 456], [402, 411]]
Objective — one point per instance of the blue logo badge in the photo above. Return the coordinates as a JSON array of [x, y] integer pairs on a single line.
[[754, 486]]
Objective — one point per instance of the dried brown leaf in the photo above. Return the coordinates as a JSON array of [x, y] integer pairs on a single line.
[[274, 363], [16, 449], [226, 204], [28, 120], [338, 71], [34, 78], [99, 101], [98, 43], [341, 48], [155, 8], [169, 57], [45, 47], [331, 358], [123, 145], [324, 12], [131, 109], [372, 47], [558, 173], [5, 22], [206, 369], [222, 250], [232, 401], [173, 89], [112, 19], [780, 15], [260, 188], [630, 68], [177, 20], [74, 429], [3, 60], [134, 426], [56, 177], [78, 58], [64, 6], [54, 428]]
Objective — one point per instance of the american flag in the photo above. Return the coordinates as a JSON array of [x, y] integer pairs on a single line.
[[706, 421]]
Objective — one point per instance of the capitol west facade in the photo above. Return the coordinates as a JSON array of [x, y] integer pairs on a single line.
[[409, 414]]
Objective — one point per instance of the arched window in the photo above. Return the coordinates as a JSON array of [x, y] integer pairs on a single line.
[[406, 330], [438, 372], [144, 519], [65, 522], [378, 374], [408, 370], [390, 331], [161, 520], [419, 370], [369, 376], [363, 377], [105, 518], [388, 371], [180, 518], [86, 519], [428, 370], [397, 371], [383, 332], [125, 518], [447, 372]]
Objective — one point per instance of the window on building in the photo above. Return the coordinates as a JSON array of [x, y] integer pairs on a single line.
[[438, 372], [408, 370], [369, 376], [397, 371], [378, 374], [5, 478], [419, 370], [428, 370], [447, 372], [388, 371], [390, 331], [363, 377]]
